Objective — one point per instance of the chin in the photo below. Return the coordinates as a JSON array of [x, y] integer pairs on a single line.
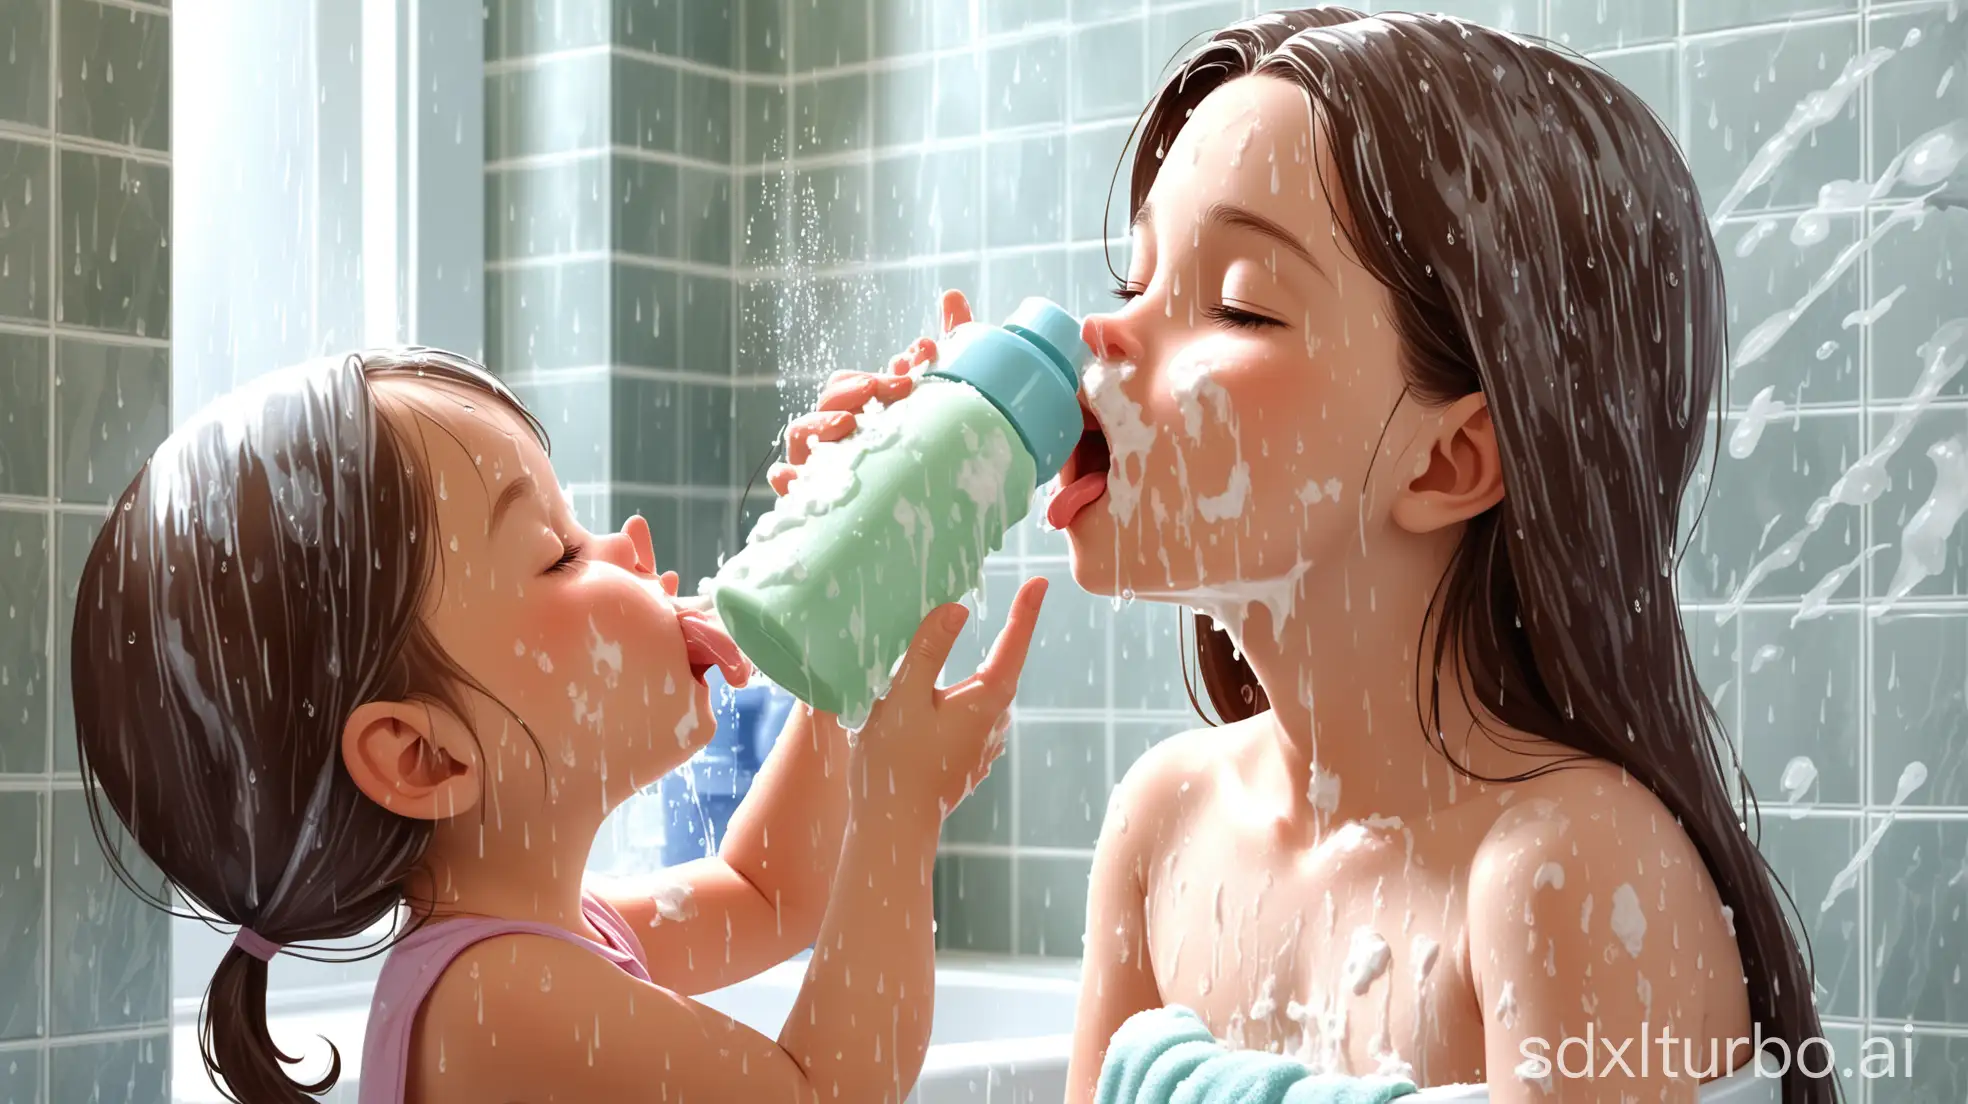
[[700, 704], [1090, 549], [1093, 569], [1110, 561]]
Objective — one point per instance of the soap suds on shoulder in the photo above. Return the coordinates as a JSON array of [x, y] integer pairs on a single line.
[[1629, 923]]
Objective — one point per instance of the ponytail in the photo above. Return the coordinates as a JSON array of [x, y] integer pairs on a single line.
[[236, 1044]]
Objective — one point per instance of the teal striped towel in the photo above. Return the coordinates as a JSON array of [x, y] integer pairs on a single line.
[[1167, 1056]]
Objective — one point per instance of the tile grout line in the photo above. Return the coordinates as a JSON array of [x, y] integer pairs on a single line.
[[974, 50], [141, 7], [608, 221], [37, 136], [734, 214], [1012, 851], [1867, 576], [871, 66], [48, 1045], [1070, 176], [47, 801]]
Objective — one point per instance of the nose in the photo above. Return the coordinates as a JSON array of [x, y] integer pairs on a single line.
[[1112, 336]]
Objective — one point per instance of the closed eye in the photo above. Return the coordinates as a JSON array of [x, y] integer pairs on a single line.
[[569, 556], [1127, 292], [1230, 314]]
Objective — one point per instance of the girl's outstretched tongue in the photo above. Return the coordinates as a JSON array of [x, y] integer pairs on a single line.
[[709, 647], [1084, 478]]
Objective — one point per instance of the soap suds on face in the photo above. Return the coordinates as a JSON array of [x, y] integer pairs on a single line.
[[1192, 385], [1129, 438], [1366, 961], [604, 655], [1549, 875], [583, 716], [1229, 503], [1315, 492], [686, 726], [1194, 388], [1629, 923]]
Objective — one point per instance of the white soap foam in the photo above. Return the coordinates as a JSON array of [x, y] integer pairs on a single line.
[[1629, 922], [1366, 960]]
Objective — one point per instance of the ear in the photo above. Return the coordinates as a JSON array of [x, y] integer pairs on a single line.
[[1460, 474], [400, 759]]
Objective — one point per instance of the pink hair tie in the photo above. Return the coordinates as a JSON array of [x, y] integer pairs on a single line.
[[253, 943]]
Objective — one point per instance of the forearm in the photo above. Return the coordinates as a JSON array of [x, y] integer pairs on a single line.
[[863, 1015], [785, 838], [715, 921]]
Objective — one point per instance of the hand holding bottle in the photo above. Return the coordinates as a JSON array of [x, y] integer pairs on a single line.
[[899, 516], [925, 749], [848, 393]]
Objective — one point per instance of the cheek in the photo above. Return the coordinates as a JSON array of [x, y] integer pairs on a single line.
[[555, 643]]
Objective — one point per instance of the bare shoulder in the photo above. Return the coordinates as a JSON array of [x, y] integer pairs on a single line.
[[1591, 861], [1599, 808], [1597, 822], [1172, 767]]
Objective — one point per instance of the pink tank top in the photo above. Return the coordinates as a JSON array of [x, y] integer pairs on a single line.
[[415, 964]]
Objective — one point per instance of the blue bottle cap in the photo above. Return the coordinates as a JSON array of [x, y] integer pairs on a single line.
[[1042, 321], [1030, 370]]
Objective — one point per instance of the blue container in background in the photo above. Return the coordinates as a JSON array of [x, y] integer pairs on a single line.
[[699, 798]]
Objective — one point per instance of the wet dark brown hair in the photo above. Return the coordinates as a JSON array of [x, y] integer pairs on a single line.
[[264, 575], [1541, 241]]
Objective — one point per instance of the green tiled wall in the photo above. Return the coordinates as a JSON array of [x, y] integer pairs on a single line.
[[612, 291], [85, 374]]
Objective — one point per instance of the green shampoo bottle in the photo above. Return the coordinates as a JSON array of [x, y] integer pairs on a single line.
[[896, 519]]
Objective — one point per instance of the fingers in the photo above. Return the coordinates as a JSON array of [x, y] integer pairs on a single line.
[[827, 425], [921, 353], [999, 675], [853, 393], [780, 477], [956, 310], [669, 580], [931, 648]]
